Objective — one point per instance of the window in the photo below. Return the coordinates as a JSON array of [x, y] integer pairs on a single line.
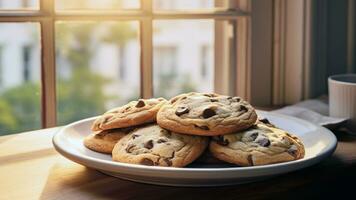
[[206, 63], [165, 60], [94, 60], [176, 67], [20, 89], [26, 56], [163, 4], [165, 70], [26, 3], [97, 4], [189, 4], [100, 54], [19, 4]]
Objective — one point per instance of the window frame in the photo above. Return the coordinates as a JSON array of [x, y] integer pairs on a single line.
[[231, 78], [292, 51]]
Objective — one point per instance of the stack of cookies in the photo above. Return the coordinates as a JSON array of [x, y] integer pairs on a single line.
[[177, 132]]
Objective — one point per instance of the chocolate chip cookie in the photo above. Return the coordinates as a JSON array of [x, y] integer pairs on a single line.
[[208, 159], [266, 122], [155, 146], [132, 114], [258, 145], [206, 114], [104, 141]]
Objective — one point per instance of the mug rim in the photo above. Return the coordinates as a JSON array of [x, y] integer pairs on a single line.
[[332, 79]]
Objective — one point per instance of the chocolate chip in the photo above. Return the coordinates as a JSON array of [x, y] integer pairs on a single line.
[[148, 144], [202, 127], [207, 113], [229, 98], [127, 108], [172, 156], [221, 140], [254, 135], [182, 110], [167, 161], [267, 122], [294, 137], [264, 142], [129, 148], [166, 133], [214, 100], [107, 118], [147, 161], [208, 95], [293, 151], [134, 136], [173, 100], [250, 160], [140, 104], [243, 108], [237, 99], [161, 140]]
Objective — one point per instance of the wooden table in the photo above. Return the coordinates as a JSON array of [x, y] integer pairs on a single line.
[[30, 168]]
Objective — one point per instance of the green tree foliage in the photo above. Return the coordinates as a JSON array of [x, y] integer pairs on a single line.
[[79, 95], [187, 85], [82, 95], [170, 84], [7, 119], [165, 84], [119, 34], [20, 108]]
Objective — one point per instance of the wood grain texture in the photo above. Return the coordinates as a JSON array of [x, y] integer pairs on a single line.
[[31, 169]]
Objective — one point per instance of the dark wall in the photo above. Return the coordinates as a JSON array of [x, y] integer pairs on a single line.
[[329, 48]]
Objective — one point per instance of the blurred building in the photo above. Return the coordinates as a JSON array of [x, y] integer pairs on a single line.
[[182, 48]]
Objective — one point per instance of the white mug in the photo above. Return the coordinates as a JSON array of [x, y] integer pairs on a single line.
[[342, 98]]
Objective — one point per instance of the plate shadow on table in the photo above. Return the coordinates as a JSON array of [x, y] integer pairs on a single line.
[[80, 182], [343, 136]]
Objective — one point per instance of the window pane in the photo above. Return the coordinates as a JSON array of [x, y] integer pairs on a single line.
[[20, 75], [19, 4], [95, 4], [183, 56], [97, 67], [189, 4]]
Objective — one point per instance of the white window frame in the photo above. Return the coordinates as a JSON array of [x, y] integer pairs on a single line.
[[230, 78]]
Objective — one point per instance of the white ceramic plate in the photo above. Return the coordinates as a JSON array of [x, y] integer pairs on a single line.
[[319, 143]]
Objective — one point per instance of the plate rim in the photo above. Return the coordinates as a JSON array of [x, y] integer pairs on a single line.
[[76, 157]]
